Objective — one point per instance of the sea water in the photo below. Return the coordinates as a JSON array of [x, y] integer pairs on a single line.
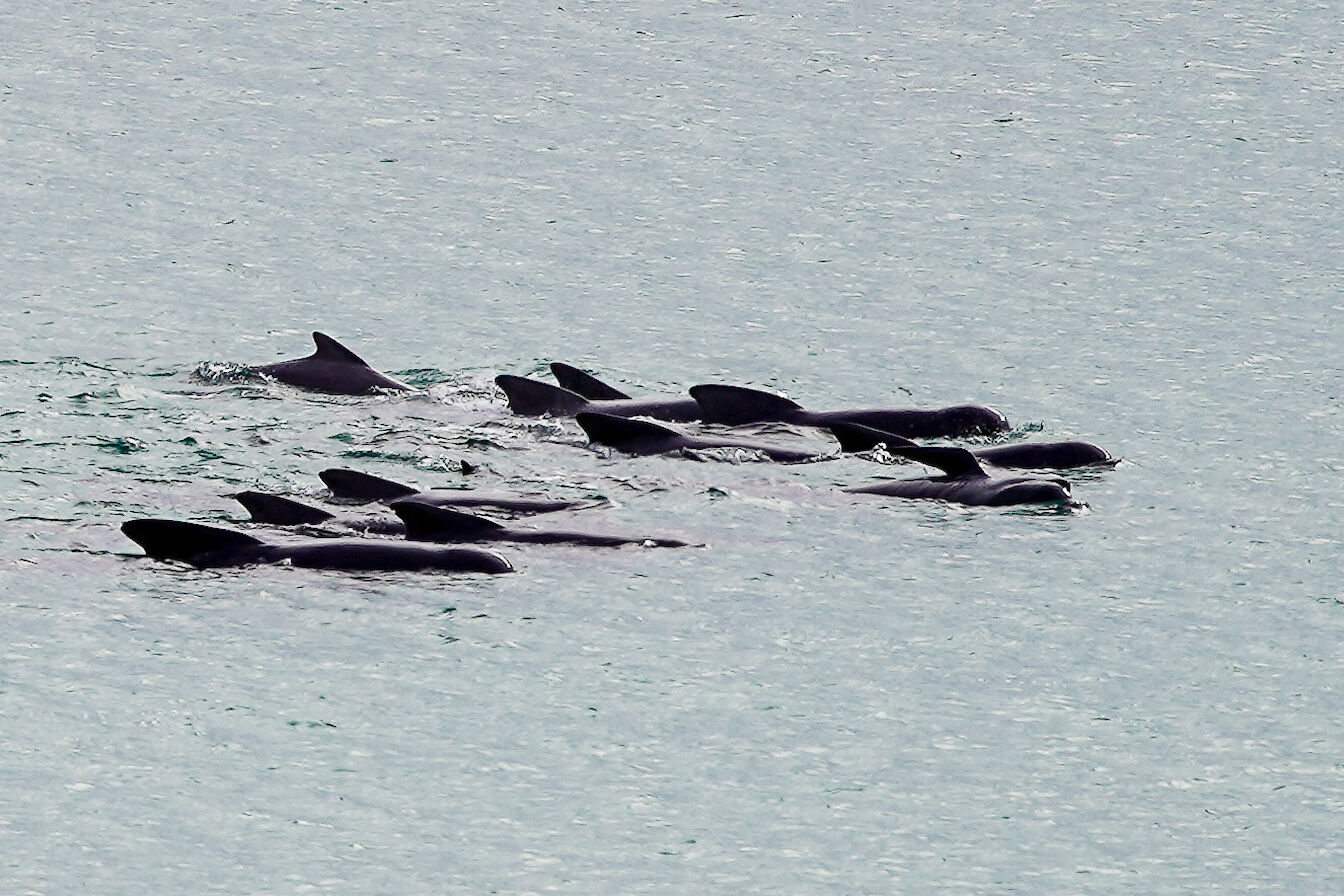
[[1112, 222]]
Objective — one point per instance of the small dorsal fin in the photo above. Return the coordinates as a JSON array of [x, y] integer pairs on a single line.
[[957, 463], [278, 511], [626, 434], [738, 404], [583, 383], [425, 522], [532, 398], [359, 486], [329, 349], [177, 540], [856, 437]]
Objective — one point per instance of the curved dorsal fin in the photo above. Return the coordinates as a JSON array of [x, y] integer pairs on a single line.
[[425, 522], [583, 383], [626, 434], [738, 404], [329, 349], [177, 540], [362, 486], [532, 398], [856, 437], [958, 463], [279, 511]]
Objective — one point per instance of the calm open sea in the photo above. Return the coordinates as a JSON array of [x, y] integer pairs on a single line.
[[1116, 222]]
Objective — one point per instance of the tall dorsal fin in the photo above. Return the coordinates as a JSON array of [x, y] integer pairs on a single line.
[[857, 437], [626, 434], [329, 349], [359, 486], [425, 522], [585, 384], [738, 404], [278, 511], [177, 540], [957, 463], [532, 398]]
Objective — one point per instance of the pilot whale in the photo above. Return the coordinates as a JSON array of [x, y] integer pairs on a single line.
[[734, 405], [642, 437], [357, 487], [207, 547], [332, 368], [966, 482], [1024, 456], [533, 398], [425, 522]]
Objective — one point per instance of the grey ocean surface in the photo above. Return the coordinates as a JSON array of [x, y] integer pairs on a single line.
[[1117, 222]]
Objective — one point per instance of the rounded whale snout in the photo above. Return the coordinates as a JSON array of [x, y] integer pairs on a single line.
[[975, 419]]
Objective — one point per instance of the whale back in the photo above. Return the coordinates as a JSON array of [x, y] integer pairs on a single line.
[[192, 543]]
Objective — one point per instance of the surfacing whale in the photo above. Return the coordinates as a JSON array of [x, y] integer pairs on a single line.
[[965, 481], [332, 368], [207, 547], [1025, 456], [425, 522], [735, 405], [533, 398], [357, 487], [642, 437]]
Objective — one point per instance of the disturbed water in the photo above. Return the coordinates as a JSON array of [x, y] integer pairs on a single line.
[[1113, 223]]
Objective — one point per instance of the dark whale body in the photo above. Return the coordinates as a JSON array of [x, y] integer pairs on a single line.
[[357, 487], [1025, 456], [965, 481], [735, 405], [641, 437], [533, 398], [425, 522], [333, 368], [207, 547]]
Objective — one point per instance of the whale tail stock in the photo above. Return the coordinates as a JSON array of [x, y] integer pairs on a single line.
[[188, 542], [585, 384]]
